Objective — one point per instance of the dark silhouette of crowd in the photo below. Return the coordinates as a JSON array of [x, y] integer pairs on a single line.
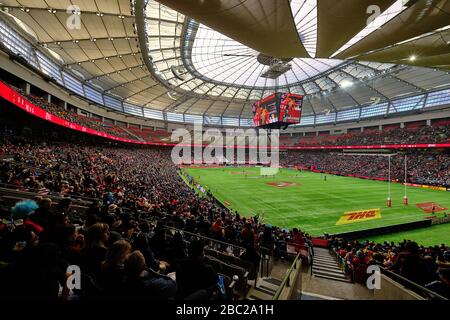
[[426, 266], [119, 216]]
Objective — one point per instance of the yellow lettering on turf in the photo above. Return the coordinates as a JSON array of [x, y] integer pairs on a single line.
[[357, 216]]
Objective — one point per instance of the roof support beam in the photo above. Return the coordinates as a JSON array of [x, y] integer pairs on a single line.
[[153, 99], [75, 40], [115, 72], [399, 79], [209, 107], [176, 103], [102, 58], [365, 84], [140, 91], [345, 91], [351, 97], [191, 105]]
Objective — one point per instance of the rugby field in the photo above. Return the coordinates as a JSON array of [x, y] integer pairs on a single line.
[[306, 200]]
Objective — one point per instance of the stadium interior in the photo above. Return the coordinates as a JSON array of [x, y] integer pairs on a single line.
[[339, 109]]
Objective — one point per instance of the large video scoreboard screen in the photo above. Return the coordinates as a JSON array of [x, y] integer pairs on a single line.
[[278, 109], [265, 111]]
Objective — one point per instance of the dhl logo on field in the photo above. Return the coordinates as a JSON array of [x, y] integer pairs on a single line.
[[358, 216]]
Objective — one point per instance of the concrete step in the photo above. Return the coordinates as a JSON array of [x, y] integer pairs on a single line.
[[318, 260], [324, 259], [258, 295], [326, 264], [266, 285], [321, 250], [323, 254], [273, 281], [265, 289], [315, 296], [332, 278], [329, 273], [336, 269]]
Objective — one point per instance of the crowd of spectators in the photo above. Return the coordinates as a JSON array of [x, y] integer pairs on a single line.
[[415, 135], [73, 117], [411, 135], [120, 241], [423, 167], [426, 266]]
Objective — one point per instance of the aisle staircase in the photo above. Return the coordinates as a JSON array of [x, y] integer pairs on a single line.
[[132, 134], [325, 266]]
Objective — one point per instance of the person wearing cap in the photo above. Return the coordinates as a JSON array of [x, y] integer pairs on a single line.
[[22, 211]]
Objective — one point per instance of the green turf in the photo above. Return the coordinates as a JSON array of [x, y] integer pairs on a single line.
[[315, 205]]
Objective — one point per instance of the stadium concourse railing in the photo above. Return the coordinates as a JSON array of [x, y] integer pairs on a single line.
[[12, 192], [409, 286], [344, 265], [210, 242], [291, 285], [398, 287]]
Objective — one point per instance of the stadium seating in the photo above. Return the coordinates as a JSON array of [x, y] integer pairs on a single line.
[[412, 133]]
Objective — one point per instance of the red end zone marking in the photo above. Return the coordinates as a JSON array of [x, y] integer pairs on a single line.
[[428, 207], [281, 184]]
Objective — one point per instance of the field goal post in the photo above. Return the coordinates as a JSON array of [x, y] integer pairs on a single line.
[[388, 155]]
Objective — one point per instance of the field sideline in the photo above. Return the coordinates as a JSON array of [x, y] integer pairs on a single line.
[[303, 199]]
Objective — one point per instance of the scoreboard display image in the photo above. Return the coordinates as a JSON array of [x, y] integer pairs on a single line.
[[265, 111], [278, 109]]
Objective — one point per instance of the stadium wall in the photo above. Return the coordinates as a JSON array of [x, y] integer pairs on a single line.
[[361, 234]]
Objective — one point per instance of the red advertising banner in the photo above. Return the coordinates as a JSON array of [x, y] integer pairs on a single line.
[[17, 99]]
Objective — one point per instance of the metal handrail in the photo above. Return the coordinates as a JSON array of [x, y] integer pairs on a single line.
[[238, 248], [51, 193], [343, 264], [266, 255], [396, 276], [286, 279]]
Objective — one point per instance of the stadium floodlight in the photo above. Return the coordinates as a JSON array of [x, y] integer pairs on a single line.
[[178, 72], [375, 100], [277, 68], [172, 95], [346, 83]]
